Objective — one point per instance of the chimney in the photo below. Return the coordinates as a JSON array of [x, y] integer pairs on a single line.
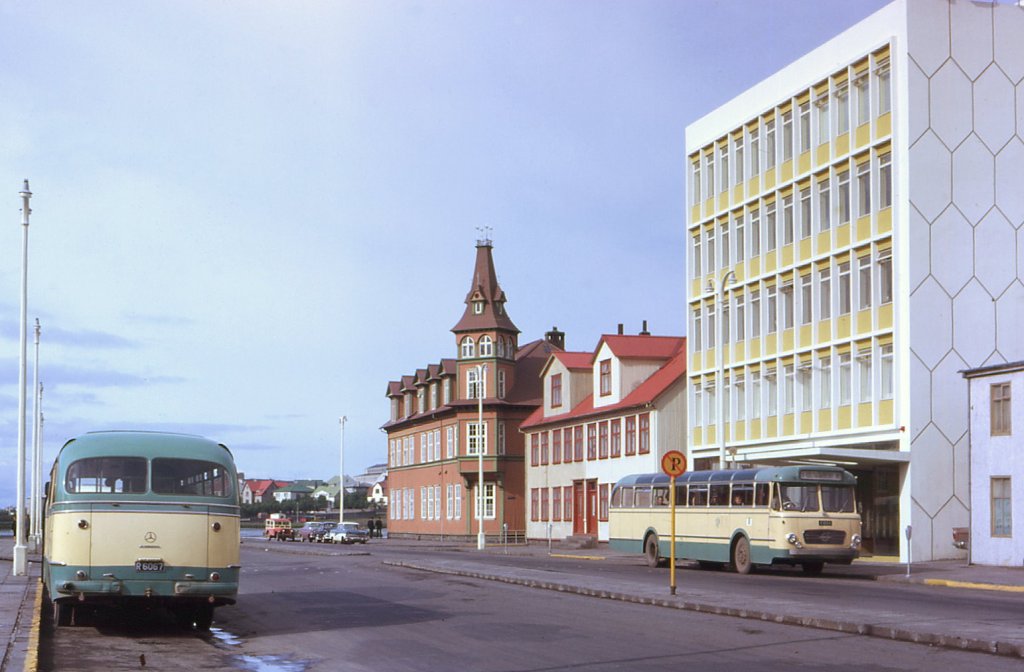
[[644, 332], [555, 338], [621, 330]]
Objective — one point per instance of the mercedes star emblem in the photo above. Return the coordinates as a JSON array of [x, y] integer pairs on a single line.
[[150, 537]]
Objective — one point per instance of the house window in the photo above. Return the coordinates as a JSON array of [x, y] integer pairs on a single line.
[[695, 185], [545, 456], [804, 383], [696, 418], [501, 438], [842, 110], [421, 400], [737, 151], [863, 101], [769, 144], [467, 349], [534, 450], [534, 504], [556, 390], [486, 346], [696, 340], [616, 449], [501, 347], [545, 504], [488, 500], [710, 159], [709, 245], [478, 307], [695, 257], [645, 434], [755, 314], [739, 392], [755, 152], [1002, 514], [1001, 424], [449, 442], [449, 501], [755, 395], [787, 219], [725, 243], [771, 227], [824, 206], [458, 501], [631, 435], [567, 445], [476, 435], [805, 212], [787, 305], [723, 161], [501, 384], [567, 503], [447, 390], [788, 388], [556, 503], [806, 302], [603, 440], [474, 389], [740, 239], [577, 443], [773, 309], [606, 377], [740, 327], [805, 126], [556, 446], [772, 392], [823, 126], [755, 232], [592, 441]]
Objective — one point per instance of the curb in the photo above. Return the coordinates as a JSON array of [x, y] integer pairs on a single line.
[[32, 655], [972, 644]]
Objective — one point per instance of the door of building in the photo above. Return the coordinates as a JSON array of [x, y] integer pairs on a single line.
[[878, 495]]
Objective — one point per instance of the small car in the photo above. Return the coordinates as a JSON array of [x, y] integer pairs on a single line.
[[323, 535], [349, 533]]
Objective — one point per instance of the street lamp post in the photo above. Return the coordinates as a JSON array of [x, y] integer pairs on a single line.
[[20, 563], [481, 444], [720, 358], [34, 501], [341, 474]]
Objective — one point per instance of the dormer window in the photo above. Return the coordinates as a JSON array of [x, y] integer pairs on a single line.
[[499, 308], [606, 377], [468, 348], [478, 307]]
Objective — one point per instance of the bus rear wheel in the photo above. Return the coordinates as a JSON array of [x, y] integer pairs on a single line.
[[741, 556], [653, 552]]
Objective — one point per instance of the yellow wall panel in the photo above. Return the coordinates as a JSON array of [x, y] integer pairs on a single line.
[[824, 242], [822, 153], [737, 194], [863, 228], [843, 421], [739, 431], [755, 266], [807, 422], [803, 162], [698, 436], [772, 428], [787, 255], [755, 348], [842, 144], [885, 220], [805, 249], [864, 415], [786, 171], [769, 178], [863, 321], [723, 201], [862, 136], [843, 235], [788, 425], [805, 334], [885, 316], [755, 430], [885, 412], [695, 213], [754, 185], [824, 331], [787, 340], [883, 125], [825, 420], [842, 326]]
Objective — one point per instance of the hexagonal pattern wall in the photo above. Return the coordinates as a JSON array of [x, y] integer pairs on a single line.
[[966, 228]]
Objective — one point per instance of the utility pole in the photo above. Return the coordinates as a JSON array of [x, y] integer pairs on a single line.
[[20, 564]]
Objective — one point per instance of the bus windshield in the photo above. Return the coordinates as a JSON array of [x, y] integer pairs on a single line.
[[799, 497], [107, 475], [837, 498]]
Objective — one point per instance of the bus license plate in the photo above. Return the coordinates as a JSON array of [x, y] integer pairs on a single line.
[[149, 566]]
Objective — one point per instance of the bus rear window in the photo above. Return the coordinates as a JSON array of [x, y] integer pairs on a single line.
[[174, 476], [107, 475]]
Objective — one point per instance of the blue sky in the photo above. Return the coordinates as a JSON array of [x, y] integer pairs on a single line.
[[248, 217]]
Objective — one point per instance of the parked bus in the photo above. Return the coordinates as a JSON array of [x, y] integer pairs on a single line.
[[795, 515], [142, 518]]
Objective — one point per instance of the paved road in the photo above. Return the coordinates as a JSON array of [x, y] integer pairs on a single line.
[[349, 611]]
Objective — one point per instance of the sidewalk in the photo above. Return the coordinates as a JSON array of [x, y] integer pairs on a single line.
[[19, 613]]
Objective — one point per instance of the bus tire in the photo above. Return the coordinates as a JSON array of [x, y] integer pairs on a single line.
[[653, 552], [741, 555], [62, 613], [812, 568]]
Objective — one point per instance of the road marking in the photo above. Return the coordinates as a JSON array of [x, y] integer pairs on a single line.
[[32, 655], [976, 586]]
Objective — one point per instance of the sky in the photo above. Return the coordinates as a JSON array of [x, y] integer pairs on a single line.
[[248, 217]]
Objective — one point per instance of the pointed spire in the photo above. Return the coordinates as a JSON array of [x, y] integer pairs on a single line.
[[485, 301]]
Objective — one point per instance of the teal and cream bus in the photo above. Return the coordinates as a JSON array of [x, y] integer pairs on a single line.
[[796, 515], [142, 518]]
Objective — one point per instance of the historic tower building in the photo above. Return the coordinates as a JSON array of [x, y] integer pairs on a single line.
[[445, 416]]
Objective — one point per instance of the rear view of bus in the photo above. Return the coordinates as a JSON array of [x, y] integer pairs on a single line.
[[142, 518]]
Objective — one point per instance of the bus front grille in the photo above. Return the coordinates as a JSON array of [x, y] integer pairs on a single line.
[[829, 537]]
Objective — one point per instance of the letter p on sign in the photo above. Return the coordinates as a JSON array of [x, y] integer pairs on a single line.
[[673, 463]]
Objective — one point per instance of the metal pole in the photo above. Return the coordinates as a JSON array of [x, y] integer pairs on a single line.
[[672, 541], [33, 518], [341, 473], [720, 356], [20, 563], [481, 444]]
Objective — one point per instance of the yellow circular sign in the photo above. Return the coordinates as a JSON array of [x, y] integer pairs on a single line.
[[673, 463]]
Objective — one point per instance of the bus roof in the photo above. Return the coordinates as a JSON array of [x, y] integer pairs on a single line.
[[145, 444], [783, 474]]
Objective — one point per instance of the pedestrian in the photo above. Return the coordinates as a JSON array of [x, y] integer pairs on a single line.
[[380, 528]]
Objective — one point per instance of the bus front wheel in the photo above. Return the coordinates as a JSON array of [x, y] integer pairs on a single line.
[[741, 556], [652, 551], [62, 613]]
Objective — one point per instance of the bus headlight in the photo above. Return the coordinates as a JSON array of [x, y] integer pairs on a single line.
[[855, 541], [215, 576], [792, 538]]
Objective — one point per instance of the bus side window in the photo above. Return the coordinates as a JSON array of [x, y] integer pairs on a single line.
[[643, 498], [627, 497], [680, 495], [699, 495], [742, 494], [616, 497], [720, 495], [660, 496], [761, 494]]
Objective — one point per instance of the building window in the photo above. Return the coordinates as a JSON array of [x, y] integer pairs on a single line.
[[737, 151], [755, 395], [486, 346], [755, 152], [501, 438], [769, 144], [478, 307], [616, 432], [567, 503], [787, 305], [864, 371], [695, 257], [788, 388], [606, 377], [710, 159], [695, 185], [556, 503], [884, 181], [602, 501], [755, 314], [1002, 513], [771, 227], [567, 444], [740, 328], [773, 309], [592, 441], [474, 390], [740, 394], [806, 302], [864, 189], [695, 341], [447, 390], [723, 162], [755, 232], [844, 288], [725, 244], [488, 500], [823, 127], [740, 239], [545, 456], [884, 93], [696, 419], [864, 282], [709, 245], [863, 101], [772, 391], [885, 276], [825, 293], [824, 206], [449, 442], [577, 444], [467, 349], [644, 446], [843, 195], [805, 213], [534, 450], [556, 446], [886, 371], [545, 504], [805, 126], [787, 219], [556, 390], [787, 135], [1001, 406], [501, 384], [825, 382], [602, 441], [842, 110], [476, 438], [631, 435], [845, 375], [804, 383]]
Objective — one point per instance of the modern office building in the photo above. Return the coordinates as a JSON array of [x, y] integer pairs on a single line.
[[437, 444], [855, 241]]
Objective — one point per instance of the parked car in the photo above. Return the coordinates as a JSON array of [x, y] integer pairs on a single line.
[[309, 531], [323, 535], [349, 533], [279, 528]]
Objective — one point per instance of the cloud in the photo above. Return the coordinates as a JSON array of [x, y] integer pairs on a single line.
[[78, 338]]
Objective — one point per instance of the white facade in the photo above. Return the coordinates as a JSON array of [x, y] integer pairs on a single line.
[[956, 137], [997, 466]]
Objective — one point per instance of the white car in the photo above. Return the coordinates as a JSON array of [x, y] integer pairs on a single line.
[[349, 533]]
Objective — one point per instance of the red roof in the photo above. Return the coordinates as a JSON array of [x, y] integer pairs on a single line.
[[575, 360], [647, 392], [641, 347]]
